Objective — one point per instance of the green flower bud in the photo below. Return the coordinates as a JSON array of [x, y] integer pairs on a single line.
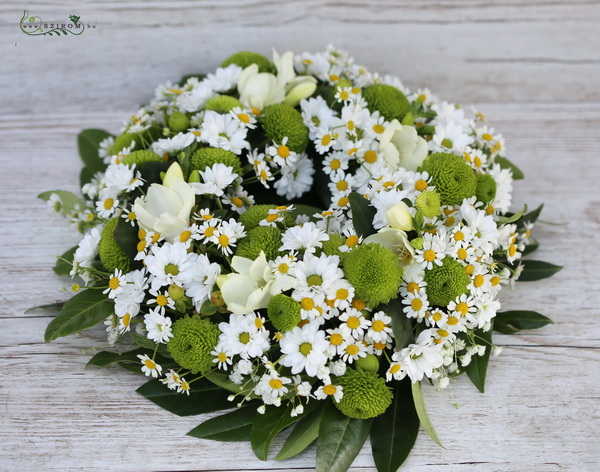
[[217, 299], [417, 243], [374, 272], [330, 247], [253, 215], [111, 254], [284, 312], [428, 203], [280, 121], [452, 177], [261, 238], [193, 340], [388, 100], [207, 157], [222, 104], [178, 122], [369, 363], [446, 282], [246, 58], [365, 394], [176, 292], [141, 157], [124, 140], [486, 188]]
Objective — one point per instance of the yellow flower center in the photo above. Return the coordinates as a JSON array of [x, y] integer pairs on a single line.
[[412, 287], [237, 201], [185, 236], [283, 151], [461, 253], [114, 283], [429, 255], [353, 322], [108, 203], [478, 282], [487, 137], [223, 240], [272, 217], [352, 349], [150, 364], [131, 216], [395, 368], [275, 384], [307, 304], [378, 325], [378, 128], [161, 300], [244, 118], [336, 339], [342, 185], [341, 294], [416, 304], [370, 156], [421, 185], [342, 202], [462, 308], [358, 305], [222, 357], [283, 268], [326, 139], [352, 240], [335, 164], [329, 389]]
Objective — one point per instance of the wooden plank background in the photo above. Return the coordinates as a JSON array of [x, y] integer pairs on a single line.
[[532, 67]]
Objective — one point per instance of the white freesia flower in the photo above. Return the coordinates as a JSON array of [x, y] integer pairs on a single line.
[[259, 89], [253, 285], [402, 147], [396, 241], [166, 208]]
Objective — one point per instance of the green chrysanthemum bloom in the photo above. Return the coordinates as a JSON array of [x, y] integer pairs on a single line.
[[429, 203], [124, 140], [222, 104], [178, 121], [141, 157], [207, 157], [365, 394], [281, 120], [284, 312], [193, 340], [486, 188], [452, 177], [446, 282], [261, 238], [331, 246], [391, 102], [111, 254], [246, 58], [374, 273], [253, 215]]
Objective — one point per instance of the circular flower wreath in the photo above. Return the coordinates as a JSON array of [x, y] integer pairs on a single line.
[[310, 237]]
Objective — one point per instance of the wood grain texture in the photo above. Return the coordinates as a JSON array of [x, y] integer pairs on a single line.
[[532, 67]]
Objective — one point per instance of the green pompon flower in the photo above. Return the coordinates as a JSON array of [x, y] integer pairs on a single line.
[[452, 177], [388, 100], [281, 120], [446, 282], [178, 121], [253, 215], [207, 157], [193, 340], [141, 157], [261, 238], [284, 312], [246, 58], [124, 140], [486, 188], [330, 247], [374, 273], [111, 254], [222, 104], [365, 394], [429, 203]]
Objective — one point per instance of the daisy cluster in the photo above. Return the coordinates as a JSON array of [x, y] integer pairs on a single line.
[[300, 229]]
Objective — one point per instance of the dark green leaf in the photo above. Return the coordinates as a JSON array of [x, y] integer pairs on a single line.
[[394, 433], [127, 238], [530, 248], [422, 412], [64, 263], [340, 439], [69, 201], [504, 220], [85, 176], [305, 432], [233, 426], [86, 309], [477, 369], [222, 380], [51, 307], [106, 358], [509, 322], [504, 163], [88, 143], [204, 397], [401, 326], [362, 214], [531, 217], [537, 270], [269, 425]]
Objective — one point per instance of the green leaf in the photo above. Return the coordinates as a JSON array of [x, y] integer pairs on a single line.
[[88, 143], [504, 163], [537, 270], [340, 439], [85, 176], [421, 410], [233, 426], [477, 369], [530, 248], [502, 220], [509, 322], [402, 327], [362, 214], [64, 263], [127, 238], [69, 201], [394, 433], [222, 380], [106, 358], [204, 397], [86, 309], [50, 307], [408, 119], [531, 217], [269, 425], [305, 432]]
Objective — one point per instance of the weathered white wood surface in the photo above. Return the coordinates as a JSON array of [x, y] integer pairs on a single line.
[[533, 67]]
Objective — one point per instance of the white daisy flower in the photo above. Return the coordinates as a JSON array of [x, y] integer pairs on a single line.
[[149, 367], [215, 180], [171, 145], [241, 335], [158, 327], [307, 237], [115, 284], [225, 132], [304, 349], [356, 322], [296, 180], [419, 359]]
